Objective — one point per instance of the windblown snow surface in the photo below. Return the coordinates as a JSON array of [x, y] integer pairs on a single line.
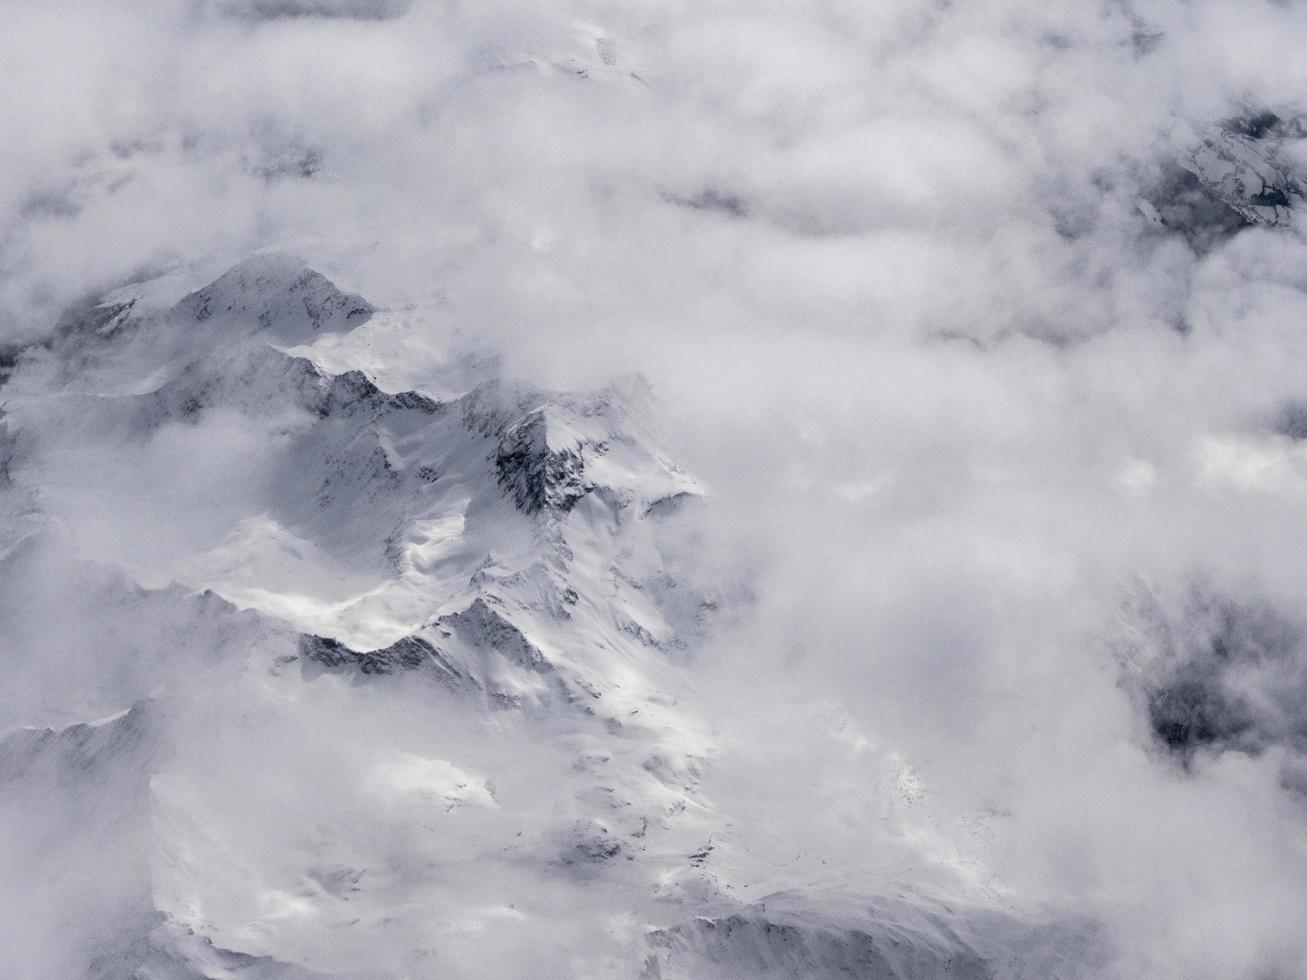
[[653, 490]]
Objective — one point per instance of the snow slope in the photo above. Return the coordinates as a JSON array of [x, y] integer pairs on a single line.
[[404, 683]]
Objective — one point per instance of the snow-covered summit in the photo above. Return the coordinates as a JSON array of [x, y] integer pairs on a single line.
[[276, 294], [416, 673]]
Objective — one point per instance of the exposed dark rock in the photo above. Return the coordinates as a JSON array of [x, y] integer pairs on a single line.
[[589, 843], [481, 626], [264, 378], [538, 477], [546, 443], [409, 653]]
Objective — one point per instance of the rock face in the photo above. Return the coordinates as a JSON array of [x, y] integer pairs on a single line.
[[404, 673], [538, 475], [409, 653]]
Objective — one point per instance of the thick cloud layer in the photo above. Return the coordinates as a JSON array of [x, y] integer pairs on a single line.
[[1014, 464]]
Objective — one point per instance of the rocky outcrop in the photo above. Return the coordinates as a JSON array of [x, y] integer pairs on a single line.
[[482, 627], [538, 476], [409, 653], [552, 450], [262, 379]]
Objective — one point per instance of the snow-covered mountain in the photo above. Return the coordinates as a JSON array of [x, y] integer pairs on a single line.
[[395, 683], [1242, 173]]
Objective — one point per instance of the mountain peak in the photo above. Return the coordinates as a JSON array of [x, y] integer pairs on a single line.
[[278, 295]]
